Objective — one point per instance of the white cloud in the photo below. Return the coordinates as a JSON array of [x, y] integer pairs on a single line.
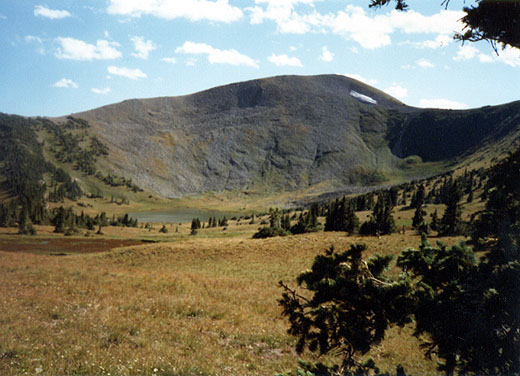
[[193, 10], [362, 79], [191, 61], [103, 91], [66, 83], [133, 74], [466, 52], [169, 60], [483, 58], [39, 41], [284, 60], [75, 49], [397, 91], [142, 47], [509, 56], [326, 55], [442, 40], [215, 55], [32, 38], [40, 10], [283, 14], [424, 63], [442, 103], [411, 22], [354, 23]]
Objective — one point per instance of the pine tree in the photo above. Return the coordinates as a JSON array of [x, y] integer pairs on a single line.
[[451, 222], [418, 218], [59, 220], [382, 221], [435, 221]]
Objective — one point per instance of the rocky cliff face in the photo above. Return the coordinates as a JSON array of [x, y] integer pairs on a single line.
[[281, 133]]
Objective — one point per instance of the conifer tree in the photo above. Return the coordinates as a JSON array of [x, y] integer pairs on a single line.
[[382, 221], [418, 218], [451, 222], [435, 221]]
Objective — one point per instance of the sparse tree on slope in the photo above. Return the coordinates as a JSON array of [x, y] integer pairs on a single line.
[[451, 222]]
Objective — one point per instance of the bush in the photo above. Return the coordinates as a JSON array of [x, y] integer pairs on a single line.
[[269, 232], [163, 230]]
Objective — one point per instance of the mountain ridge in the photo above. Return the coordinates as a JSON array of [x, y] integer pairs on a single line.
[[326, 133]]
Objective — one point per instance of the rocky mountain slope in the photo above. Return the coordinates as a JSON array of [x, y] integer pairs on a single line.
[[319, 134], [286, 133]]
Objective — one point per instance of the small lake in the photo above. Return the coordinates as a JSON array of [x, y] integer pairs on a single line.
[[178, 215]]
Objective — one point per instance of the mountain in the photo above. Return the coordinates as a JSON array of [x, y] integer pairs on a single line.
[[323, 133]]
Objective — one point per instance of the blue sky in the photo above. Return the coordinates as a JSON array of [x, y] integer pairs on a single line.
[[65, 56]]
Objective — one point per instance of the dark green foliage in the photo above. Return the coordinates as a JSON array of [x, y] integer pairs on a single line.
[[223, 222], [442, 307], [418, 197], [97, 147], [20, 152], [466, 310], [8, 213], [451, 222], [341, 217], [382, 221], [195, 226], [63, 218], [163, 230], [307, 222], [434, 225], [269, 232], [124, 221], [494, 21], [115, 181], [418, 217], [352, 303], [214, 222], [286, 222], [23, 165], [502, 211], [276, 221], [470, 197], [470, 310], [24, 223]]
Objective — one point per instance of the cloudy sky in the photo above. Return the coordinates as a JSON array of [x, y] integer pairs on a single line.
[[65, 56]]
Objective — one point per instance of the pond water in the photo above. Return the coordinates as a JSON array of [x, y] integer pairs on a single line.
[[178, 215]]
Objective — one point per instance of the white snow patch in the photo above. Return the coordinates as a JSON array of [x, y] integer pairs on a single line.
[[363, 98]]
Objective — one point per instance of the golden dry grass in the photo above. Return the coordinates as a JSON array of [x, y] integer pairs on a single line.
[[194, 305]]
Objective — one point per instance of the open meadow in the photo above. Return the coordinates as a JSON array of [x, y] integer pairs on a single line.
[[187, 305]]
